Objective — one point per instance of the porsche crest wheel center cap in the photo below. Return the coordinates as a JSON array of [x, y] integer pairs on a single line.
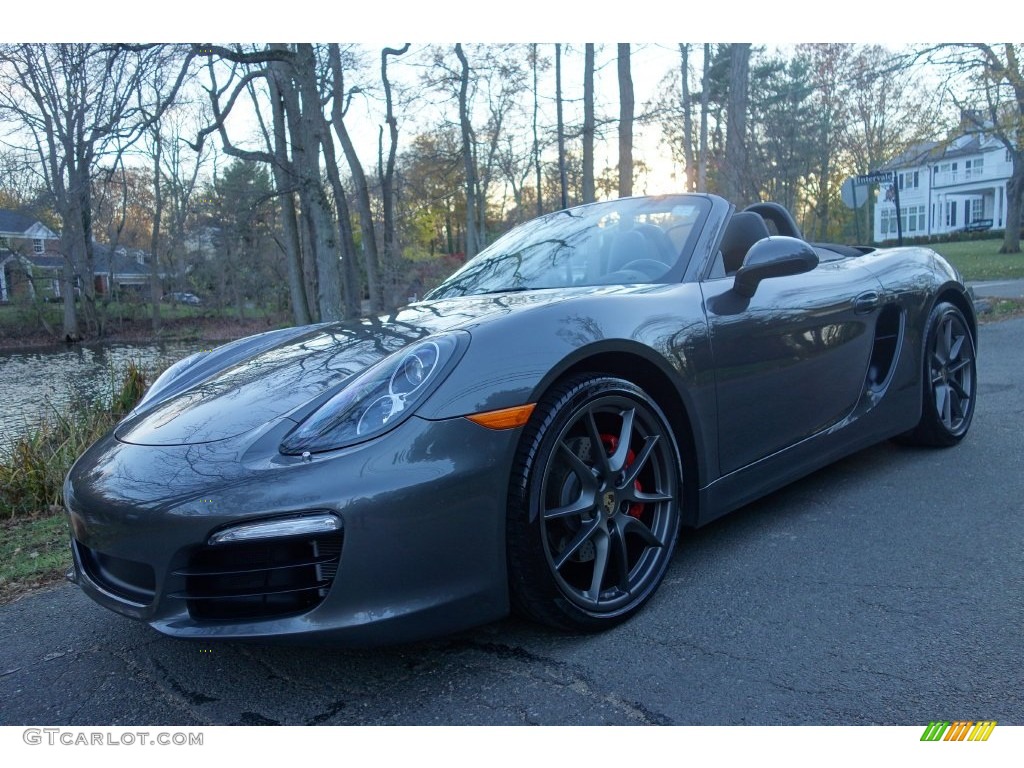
[[608, 502]]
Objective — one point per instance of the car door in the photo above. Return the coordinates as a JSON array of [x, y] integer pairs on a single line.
[[792, 360]]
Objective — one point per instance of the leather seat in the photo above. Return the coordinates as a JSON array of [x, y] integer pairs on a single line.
[[744, 229]]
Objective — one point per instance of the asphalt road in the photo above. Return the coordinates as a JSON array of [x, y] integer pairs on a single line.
[[885, 589]]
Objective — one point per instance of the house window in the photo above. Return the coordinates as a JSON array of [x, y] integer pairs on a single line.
[[948, 173], [951, 214], [913, 218], [974, 168], [887, 215], [910, 180], [977, 210], [37, 246]]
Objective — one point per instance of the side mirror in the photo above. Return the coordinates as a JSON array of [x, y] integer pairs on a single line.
[[773, 257]]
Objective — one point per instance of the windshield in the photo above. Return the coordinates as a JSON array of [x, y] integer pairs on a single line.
[[633, 240]]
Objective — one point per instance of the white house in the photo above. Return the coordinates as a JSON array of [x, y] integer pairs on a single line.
[[946, 187]]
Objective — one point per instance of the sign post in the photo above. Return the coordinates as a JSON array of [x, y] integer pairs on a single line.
[[893, 193]]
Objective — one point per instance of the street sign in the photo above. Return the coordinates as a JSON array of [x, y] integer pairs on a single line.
[[876, 177]]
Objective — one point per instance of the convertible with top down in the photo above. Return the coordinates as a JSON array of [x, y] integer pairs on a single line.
[[533, 435]]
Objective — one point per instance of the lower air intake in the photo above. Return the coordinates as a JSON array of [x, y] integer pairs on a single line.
[[260, 579]]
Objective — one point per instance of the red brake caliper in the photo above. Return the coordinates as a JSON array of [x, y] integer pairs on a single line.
[[611, 442]]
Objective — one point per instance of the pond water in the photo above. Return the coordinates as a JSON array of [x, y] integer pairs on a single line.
[[34, 382]]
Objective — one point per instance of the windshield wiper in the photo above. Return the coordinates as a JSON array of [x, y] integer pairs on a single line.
[[516, 289]]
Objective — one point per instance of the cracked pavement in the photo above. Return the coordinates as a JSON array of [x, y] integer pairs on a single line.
[[885, 589]]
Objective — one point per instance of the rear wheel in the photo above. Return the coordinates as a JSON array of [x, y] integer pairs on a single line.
[[593, 517], [950, 380]]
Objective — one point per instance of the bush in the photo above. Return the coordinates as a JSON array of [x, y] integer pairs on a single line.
[[33, 465]]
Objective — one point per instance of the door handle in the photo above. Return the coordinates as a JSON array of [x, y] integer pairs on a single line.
[[866, 302]]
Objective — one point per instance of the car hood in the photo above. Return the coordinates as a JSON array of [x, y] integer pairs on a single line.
[[229, 395]]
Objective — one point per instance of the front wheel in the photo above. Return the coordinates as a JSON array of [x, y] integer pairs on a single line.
[[593, 511], [950, 380]]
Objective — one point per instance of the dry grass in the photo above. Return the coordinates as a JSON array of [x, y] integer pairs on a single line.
[[34, 464]]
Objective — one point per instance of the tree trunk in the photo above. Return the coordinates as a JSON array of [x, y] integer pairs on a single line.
[[625, 122], [536, 135], [467, 154], [736, 124], [304, 129], [154, 247], [371, 255], [69, 245], [563, 181], [686, 104], [285, 183], [350, 283], [387, 176], [589, 192], [702, 162], [1014, 205]]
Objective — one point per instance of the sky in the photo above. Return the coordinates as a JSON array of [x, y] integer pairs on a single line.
[[790, 21], [391, 22], [663, 22]]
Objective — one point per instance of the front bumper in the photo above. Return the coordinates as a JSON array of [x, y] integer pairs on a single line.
[[420, 552]]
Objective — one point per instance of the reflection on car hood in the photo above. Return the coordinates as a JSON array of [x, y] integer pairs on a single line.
[[241, 395]]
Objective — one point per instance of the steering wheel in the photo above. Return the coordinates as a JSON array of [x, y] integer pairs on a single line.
[[650, 268]]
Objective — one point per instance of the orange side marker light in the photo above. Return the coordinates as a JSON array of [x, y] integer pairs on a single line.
[[506, 418]]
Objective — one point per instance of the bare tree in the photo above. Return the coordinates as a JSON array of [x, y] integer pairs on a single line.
[[736, 123], [562, 180], [702, 161], [588, 124], [625, 122], [469, 165], [534, 59], [79, 104], [297, 83], [686, 105], [156, 146], [386, 171], [994, 103], [340, 100]]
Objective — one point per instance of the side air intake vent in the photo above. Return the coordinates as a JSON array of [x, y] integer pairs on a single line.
[[260, 579]]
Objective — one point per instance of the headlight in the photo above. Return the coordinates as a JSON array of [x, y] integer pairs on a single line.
[[380, 398]]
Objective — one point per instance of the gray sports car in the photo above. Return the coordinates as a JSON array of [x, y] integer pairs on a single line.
[[532, 435]]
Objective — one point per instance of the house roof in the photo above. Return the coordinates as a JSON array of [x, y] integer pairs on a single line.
[[15, 224], [47, 260], [36, 260], [121, 262], [915, 154], [934, 151]]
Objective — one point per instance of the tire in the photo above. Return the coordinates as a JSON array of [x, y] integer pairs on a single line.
[[591, 533], [950, 380]]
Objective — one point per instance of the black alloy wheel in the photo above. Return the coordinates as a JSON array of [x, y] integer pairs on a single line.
[[950, 379], [593, 514]]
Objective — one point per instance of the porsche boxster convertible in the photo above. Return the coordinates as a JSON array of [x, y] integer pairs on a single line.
[[533, 435]]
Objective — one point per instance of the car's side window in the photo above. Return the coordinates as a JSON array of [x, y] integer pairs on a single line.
[[717, 267]]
